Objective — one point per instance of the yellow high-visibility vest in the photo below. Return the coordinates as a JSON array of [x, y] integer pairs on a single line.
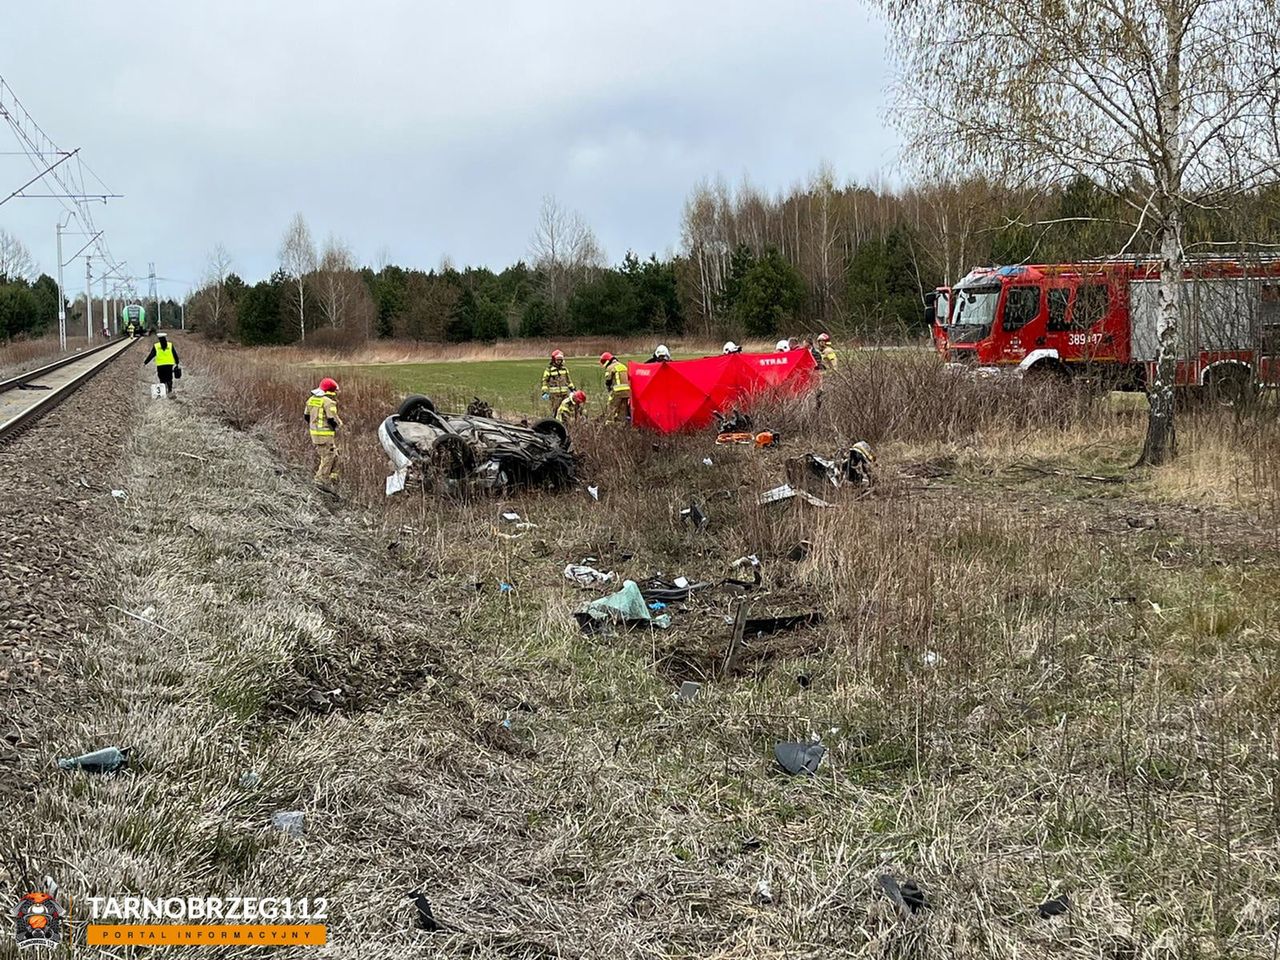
[[164, 356], [616, 377]]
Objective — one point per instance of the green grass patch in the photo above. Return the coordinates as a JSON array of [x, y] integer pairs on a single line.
[[509, 385]]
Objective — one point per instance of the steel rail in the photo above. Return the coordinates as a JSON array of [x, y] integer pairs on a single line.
[[48, 400]]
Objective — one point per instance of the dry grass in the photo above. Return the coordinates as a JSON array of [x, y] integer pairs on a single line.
[[1020, 698], [19, 355]]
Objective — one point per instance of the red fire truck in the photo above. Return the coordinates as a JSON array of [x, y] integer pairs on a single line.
[[1099, 318]]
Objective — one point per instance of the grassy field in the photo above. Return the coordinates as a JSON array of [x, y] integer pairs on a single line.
[[1039, 673], [510, 385]]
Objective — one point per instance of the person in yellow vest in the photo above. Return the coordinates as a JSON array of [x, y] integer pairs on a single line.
[[617, 386], [825, 351], [324, 423], [570, 410], [557, 384], [166, 357]]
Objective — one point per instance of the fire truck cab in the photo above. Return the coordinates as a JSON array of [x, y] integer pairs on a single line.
[[1099, 319]]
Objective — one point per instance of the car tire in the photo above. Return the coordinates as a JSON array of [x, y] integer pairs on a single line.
[[553, 428], [414, 405], [1231, 386]]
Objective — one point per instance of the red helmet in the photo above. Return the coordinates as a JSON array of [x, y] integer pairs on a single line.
[[606, 357], [328, 385], [579, 397], [557, 354]]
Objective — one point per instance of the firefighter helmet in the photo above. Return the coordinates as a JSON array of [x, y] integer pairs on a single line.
[[328, 385], [557, 355], [579, 397], [606, 357], [782, 346]]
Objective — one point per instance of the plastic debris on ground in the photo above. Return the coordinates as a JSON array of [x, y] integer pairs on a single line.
[[511, 517], [585, 576], [706, 462], [292, 822], [106, 760], [119, 494], [626, 607], [424, 918], [763, 893], [762, 626], [797, 758], [505, 587], [688, 691], [595, 492], [906, 896], [786, 492], [694, 516], [659, 590], [396, 482], [1054, 907]]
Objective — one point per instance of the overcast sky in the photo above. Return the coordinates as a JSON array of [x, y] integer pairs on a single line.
[[429, 129]]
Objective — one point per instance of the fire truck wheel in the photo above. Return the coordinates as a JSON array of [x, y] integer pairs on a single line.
[[1048, 372], [1231, 386]]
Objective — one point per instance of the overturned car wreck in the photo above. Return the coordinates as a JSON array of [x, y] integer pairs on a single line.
[[465, 453]]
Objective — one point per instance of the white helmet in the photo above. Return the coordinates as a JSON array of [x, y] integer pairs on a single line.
[[782, 346], [661, 352], [730, 347]]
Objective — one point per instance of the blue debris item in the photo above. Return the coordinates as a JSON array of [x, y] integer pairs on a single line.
[[505, 587], [626, 607], [657, 605], [106, 760]]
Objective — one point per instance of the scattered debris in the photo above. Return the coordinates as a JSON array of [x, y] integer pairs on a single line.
[[799, 551], [292, 822], [751, 844], [739, 623], [657, 606], [796, 758], [396, 482], [595, 492], [424, 919], [765, 438], [511, 516], [763, 893], [804, 680], [694, 516], [706, 462], [656, 589], [585, 576], [736, 422], [627, 607], [106, 760], [931, 659], [762, 626], [1054, 907], [479, 408], [681, 582], [688, 691], [787, 492], [906, 896], [505, 588], [119, 494]]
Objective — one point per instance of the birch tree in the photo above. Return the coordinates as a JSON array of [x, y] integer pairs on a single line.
[[298, 261], [333, 281], [564, 248], [214, 298], [15, 259], [1169, 105]]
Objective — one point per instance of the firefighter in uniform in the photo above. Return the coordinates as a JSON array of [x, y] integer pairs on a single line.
[[570, 410], [166, 357], [617, 386], [827, 354], [557, 384], [324, 423]]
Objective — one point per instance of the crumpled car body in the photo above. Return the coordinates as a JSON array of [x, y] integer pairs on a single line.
[[460, 453]]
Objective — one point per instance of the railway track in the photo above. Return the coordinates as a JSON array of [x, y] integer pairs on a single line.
[[29, 395]]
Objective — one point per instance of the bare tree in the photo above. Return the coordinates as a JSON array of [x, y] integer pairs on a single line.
[[15, 259], [213, 300], [1167, 104], [298, 260], [564, 248], [333, 281]]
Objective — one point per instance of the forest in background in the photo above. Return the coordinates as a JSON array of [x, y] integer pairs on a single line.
[[852, 259]]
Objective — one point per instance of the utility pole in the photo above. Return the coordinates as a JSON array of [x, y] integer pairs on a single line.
[[62, 297], [152, 293], [88, 298], [106, 316]]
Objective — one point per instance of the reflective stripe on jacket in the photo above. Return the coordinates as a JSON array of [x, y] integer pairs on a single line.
[[323, 416], [556, 380], [615, 378], [568, 410], [829, 358]]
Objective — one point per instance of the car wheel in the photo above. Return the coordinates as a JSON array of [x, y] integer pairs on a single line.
[[553, 429], [413, 406], [1231, 386], [451, 457]]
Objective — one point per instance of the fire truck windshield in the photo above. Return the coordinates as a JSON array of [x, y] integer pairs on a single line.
[[973, 313]]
